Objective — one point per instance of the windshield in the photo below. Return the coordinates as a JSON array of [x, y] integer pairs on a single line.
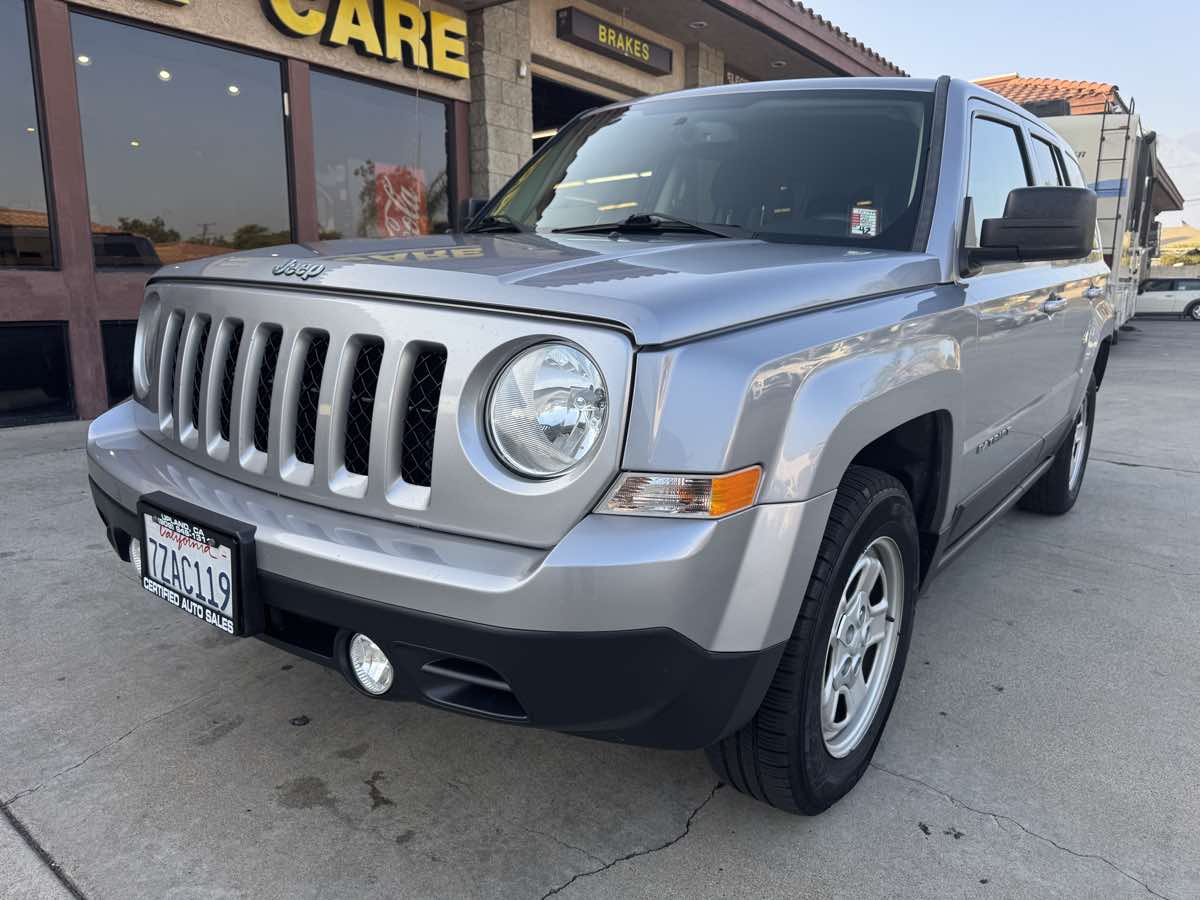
[[830, 167]]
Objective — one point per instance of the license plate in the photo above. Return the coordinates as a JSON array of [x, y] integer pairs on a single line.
[[191, 567]]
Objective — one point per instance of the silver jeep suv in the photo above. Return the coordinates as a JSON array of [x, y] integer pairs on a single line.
[[662, 448]]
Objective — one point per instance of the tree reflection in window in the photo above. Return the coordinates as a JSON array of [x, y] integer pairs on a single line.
[[184, 145]]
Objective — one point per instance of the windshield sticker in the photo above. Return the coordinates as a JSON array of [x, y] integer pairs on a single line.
[[864, 221]]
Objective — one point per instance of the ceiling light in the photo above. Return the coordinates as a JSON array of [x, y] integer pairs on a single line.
[[135, 144], [234, 90], [29, 129], [83, 59], [699, 24], [778, 63], [164, 75]]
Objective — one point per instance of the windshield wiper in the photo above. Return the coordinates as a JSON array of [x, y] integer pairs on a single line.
[[649, 222], [499, 222]]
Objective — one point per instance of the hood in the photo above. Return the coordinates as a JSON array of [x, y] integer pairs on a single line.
[[659, 288]]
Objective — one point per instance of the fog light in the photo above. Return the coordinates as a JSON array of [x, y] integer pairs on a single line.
[[135, 555], [372, 669]]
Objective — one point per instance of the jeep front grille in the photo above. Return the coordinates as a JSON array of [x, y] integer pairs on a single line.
[[272, 382]]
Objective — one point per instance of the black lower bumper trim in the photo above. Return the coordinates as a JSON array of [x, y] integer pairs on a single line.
[[651, 687]]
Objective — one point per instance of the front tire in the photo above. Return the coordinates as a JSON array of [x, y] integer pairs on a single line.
[[816, 730], [1057, 490], [1193, 312]]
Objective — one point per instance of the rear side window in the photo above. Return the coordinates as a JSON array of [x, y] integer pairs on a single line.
[[1074, 173], [1048, 168], [997, 167], [1189, 284]]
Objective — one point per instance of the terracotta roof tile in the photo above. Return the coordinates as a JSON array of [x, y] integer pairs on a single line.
[[1086, 97]]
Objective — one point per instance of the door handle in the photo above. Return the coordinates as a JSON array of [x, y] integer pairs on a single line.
[[1093, 292], [1054, 304]]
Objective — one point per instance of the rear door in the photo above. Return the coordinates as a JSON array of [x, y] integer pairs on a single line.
[[1187, 292], [1157, 296], [1010, 365]]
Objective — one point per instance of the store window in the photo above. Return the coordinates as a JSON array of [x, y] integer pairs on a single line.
[[381, 160], [35, 373], [24, 224], [117, 340], [184, 145]]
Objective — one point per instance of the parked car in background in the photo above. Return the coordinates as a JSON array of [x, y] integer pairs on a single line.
[[1173, 296], [663, 448]]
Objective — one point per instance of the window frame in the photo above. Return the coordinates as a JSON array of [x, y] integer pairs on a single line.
[[285, 101], [39, 107], [452, 173], [1018, 128]]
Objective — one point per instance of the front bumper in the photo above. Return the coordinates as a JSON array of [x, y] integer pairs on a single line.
[[651, 631]]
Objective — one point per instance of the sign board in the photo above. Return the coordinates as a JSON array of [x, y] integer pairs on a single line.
[[390, 30], [586, 31]]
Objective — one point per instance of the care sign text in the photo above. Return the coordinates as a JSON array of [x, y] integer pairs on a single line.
[[390, 30]]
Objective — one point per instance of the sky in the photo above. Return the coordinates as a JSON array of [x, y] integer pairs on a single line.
[[1151, 51]]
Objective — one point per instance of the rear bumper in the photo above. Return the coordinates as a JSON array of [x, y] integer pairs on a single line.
[[648, 686]]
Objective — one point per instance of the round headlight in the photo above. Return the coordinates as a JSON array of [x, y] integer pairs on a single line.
[[547, 410]]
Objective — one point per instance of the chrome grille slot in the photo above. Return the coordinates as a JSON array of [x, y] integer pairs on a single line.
[[167, 372], [198, 370], [309, 396], [229, 370], [338, 402], [273, 338], [420, 415], [360, 406]]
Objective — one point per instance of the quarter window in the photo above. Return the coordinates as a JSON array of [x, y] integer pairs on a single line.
[[997, 167], [381, 160], [1047, 164], [24, 223], [183, 143]]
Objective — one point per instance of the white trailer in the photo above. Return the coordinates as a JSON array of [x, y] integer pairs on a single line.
[[1117, 159]]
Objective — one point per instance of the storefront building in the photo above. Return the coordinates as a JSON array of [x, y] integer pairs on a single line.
[[137, 133]]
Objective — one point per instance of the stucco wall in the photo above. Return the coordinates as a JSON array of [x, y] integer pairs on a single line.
[[243, 22]]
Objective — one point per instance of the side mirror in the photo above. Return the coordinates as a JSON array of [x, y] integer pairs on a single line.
[[1040, 223], [471, 208]]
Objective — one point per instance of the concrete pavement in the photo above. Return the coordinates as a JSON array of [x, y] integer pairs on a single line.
[[1043, 743]]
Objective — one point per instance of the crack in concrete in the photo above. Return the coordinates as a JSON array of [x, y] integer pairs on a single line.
[[33, 790], [1133, 465], [671, 842], [997, 818]]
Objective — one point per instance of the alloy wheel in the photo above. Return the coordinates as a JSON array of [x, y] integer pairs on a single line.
[[862, 646]]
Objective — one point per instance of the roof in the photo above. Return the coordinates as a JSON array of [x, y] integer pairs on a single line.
[[33, 218], [1086, 97]]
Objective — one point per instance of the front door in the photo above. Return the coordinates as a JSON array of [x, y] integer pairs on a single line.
[[1010, 367]]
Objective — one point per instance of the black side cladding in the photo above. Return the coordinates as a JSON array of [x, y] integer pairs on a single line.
[[420, 418]]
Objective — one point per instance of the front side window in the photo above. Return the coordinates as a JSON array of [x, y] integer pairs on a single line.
[[24, 224], [997, 167], [1153, 287], [823, 167], [381, 160], [184, 146]]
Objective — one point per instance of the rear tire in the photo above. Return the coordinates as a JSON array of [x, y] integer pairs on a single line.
[[816, 730], [1057, 490]]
